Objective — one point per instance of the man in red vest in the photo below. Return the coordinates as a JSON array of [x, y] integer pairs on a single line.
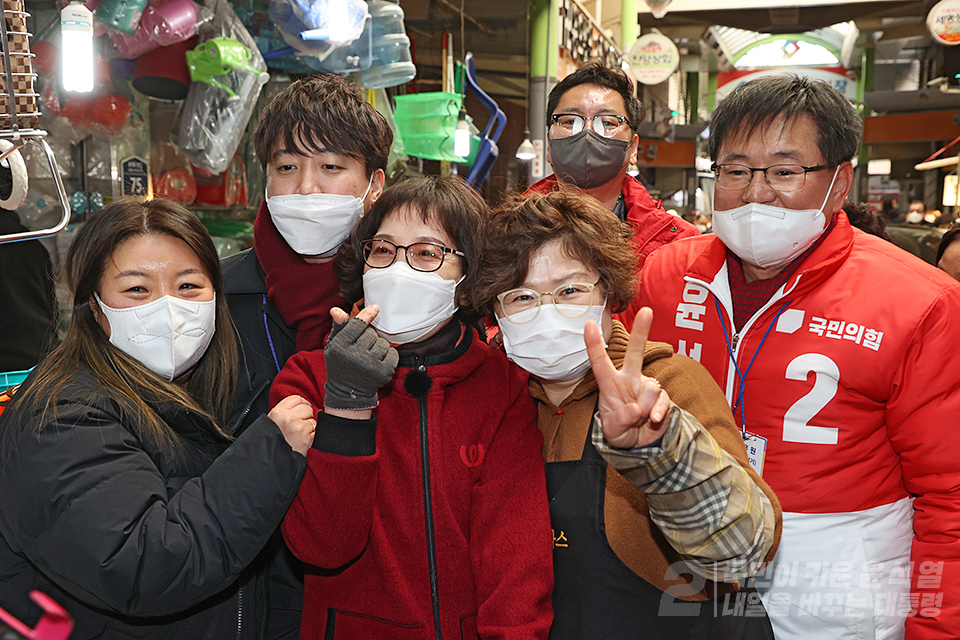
[[837, 351]]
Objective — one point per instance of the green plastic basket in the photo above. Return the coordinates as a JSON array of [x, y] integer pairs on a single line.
[[426, 122], [13, 378]]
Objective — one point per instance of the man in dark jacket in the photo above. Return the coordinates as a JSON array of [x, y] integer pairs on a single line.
[[592, 120], [324, 150]]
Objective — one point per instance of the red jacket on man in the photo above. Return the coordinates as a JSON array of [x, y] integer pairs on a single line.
[[470, 449], [851, 374], [652, 226]]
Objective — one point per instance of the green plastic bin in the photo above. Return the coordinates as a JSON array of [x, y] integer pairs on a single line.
[[426, 122]]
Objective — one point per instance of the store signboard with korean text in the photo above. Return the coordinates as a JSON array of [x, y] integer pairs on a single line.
[[839, 78], [653, 58], [943, 22]]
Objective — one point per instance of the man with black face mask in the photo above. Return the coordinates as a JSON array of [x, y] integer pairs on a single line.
[[835, 350], [592, 120]]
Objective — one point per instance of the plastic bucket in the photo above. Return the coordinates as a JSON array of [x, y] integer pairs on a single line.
[[12, 378]]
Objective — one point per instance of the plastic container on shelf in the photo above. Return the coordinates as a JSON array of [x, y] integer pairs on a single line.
[[170, 21], [392, 64], [345, 58], [426, 122], [121, 14], [7, 380], [308, 27], [163, 23]]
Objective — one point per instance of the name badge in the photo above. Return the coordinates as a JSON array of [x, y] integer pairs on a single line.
[[756, 450]]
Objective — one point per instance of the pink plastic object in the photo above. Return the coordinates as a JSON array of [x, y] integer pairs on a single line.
[[163, 23], [131, 45], [56, 623], [170, 21]]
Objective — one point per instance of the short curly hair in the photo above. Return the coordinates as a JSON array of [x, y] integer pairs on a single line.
[[446, 200], [587, 231]]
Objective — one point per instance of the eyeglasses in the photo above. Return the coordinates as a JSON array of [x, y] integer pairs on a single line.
[[571, 300], [781, 177], [605, 124], [421, 256]]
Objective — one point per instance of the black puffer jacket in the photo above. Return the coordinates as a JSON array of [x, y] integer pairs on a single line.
[[265, 340], [266, 343], [132, 543]]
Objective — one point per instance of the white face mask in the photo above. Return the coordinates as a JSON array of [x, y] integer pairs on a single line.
[[412, 303], [167, 336], [769, 236], [551, 346], [316, 224], [914, 217]]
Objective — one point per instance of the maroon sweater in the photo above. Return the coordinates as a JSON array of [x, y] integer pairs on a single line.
[[359, 517]]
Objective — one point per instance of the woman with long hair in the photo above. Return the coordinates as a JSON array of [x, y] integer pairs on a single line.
[[120, 496]]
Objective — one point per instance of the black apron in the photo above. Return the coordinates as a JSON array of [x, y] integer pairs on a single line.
[[595, 595]]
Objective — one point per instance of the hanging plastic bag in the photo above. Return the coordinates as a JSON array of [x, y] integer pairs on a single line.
[[223, 95]]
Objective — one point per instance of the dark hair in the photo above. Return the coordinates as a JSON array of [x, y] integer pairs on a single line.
[[448, 201], [866, 217], [763, 101], [948, 238], [595, 72], [587, 231], [324, 112], [208, 387]]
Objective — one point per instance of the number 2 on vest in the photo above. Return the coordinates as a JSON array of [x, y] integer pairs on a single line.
[[796, 421]]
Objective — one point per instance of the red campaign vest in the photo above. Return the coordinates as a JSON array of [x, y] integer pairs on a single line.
[[844, 368]]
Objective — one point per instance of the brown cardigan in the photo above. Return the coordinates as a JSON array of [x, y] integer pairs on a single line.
[[631, 534]]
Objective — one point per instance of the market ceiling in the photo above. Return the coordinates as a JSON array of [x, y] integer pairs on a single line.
[[494, 30], [780, 16]]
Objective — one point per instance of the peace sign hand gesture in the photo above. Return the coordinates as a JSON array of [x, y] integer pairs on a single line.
[[631, 405]]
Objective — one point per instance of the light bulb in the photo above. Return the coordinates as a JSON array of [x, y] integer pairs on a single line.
[[526, 151], [461, 136], [658, 7], [76, 30]]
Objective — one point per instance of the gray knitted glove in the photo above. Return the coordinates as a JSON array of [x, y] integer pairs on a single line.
[[358, 363]]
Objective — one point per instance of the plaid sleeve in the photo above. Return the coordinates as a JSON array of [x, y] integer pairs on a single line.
[[701, 499]]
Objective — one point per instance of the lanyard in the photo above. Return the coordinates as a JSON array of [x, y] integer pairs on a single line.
[[266, 328], [742, 375]]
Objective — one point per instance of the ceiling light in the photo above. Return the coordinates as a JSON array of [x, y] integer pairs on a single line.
[[526, 151]]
